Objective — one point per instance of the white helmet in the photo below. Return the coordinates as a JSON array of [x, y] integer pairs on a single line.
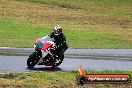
[[57, 30]]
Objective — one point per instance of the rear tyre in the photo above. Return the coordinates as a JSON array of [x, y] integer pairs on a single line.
[[58, 61], [33, 60]]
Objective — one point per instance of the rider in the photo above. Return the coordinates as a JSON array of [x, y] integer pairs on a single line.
[[60, 40]]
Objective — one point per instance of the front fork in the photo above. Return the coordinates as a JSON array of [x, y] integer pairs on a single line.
[[39, 53]]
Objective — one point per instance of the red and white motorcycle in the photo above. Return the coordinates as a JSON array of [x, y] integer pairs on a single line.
[[43, 55]]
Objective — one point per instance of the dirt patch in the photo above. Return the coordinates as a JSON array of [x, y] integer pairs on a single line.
[[13, 76]]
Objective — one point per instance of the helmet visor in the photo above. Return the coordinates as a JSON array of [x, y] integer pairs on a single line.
[[57, 32]]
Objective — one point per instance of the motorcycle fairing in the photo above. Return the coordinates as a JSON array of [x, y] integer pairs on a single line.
[[47, 45]]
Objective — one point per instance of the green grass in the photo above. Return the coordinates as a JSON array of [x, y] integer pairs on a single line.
[[19, 34], [86, 23], [51, 79], [62, 2], [38, 80]]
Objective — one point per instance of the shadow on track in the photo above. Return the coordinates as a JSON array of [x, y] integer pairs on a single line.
[[44, 69]]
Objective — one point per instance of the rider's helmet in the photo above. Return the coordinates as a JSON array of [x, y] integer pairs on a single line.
[[57, 30]]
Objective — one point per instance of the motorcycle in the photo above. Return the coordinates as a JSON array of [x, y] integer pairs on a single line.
[[44, 53]]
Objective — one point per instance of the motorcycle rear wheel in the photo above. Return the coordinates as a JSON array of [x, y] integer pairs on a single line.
[[60, 59]]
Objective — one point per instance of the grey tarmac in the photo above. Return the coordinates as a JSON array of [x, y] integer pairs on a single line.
[[13, 64], [14, 60], [76, 53]]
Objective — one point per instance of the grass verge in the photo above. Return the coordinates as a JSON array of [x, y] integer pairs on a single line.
[[86, 23], [53, 79]]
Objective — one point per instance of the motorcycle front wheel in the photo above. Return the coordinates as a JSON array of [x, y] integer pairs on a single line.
[[33, 60]]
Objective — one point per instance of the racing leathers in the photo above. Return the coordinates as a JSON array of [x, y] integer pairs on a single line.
[[61, 45]]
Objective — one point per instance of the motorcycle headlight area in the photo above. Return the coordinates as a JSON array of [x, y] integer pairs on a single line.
[[39, 44]]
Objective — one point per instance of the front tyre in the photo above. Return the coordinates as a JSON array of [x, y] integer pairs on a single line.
[[33, 60]]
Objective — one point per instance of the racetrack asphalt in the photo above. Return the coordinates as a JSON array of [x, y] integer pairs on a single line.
[[121, 54], [13, 64], [92, 59]]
